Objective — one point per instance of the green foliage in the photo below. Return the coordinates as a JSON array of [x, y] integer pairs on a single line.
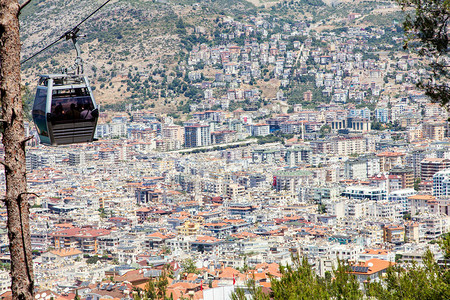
[[427, 33], [344, 284], [416, 282], [156, 288], [188, 266], [5, 266], [271, 138], [298, 282], [180, 27], [27, 101], [102, 213], [325, 129], [417, 184], [92, 260], [377, 125], [314, 2], [445, 245], [407, 216], [305, 83], [321, 209], [254, 290]]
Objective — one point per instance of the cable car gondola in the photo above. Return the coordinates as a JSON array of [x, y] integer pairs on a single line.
[[64, 109]]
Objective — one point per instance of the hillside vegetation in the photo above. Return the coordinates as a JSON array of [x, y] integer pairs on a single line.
[[136, 51]]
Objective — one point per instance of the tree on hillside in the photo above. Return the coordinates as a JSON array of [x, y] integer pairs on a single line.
[[13, 138], [188, 266], [429, 281], [300, 281], [426, 28], [344, 285], [156, 289], [254, 290]]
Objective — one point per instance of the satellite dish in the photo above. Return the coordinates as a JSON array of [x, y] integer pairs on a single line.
[[43, 295], [37, 296], [370, 265]]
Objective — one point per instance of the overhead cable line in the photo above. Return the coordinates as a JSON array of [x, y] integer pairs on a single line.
[[67, 33]]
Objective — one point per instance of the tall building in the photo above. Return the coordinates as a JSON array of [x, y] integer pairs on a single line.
[[259, 129], [414, 161], [406, 174], [434, 131], [430, 166], [196, 136], [362, 167], [291, 180], [401, 197], [394, 234], [365, 193], [382, 115], [173, 132], [441, 183], [80, 157], [388, 160], [348, 145], [297, 155]]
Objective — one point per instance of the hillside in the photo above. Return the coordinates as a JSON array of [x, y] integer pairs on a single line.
[[125, 37], [137, 51]]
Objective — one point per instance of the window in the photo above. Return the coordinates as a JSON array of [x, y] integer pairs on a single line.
[[39, 111], [71, 104], [40, 101]]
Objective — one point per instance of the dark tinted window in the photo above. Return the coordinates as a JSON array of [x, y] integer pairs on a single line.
[[40, 101], [73, 108], [39, 112]]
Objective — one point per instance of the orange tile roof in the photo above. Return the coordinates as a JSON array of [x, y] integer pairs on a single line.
[[390, 154], [422, 197], [375, 265], [66, 252], [228, 272], [157, 235]]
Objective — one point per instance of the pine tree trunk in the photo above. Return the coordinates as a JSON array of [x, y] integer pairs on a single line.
[[14, 143]]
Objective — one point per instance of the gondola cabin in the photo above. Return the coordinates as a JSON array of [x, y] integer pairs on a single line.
[[64, 110]]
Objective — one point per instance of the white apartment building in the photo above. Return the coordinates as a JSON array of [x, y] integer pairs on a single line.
[[347, 146], [345, 252], [401, 197], [435, 225], [365, 192], [441, 183], [384, 210]]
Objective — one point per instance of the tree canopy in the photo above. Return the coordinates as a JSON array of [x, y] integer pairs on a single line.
[[430, 280], [426, 28]]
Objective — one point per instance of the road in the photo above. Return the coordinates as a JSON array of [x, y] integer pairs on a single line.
[[244, 142]]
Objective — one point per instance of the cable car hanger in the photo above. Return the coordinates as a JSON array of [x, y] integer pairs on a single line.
[[77, 67], [64, 109]]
